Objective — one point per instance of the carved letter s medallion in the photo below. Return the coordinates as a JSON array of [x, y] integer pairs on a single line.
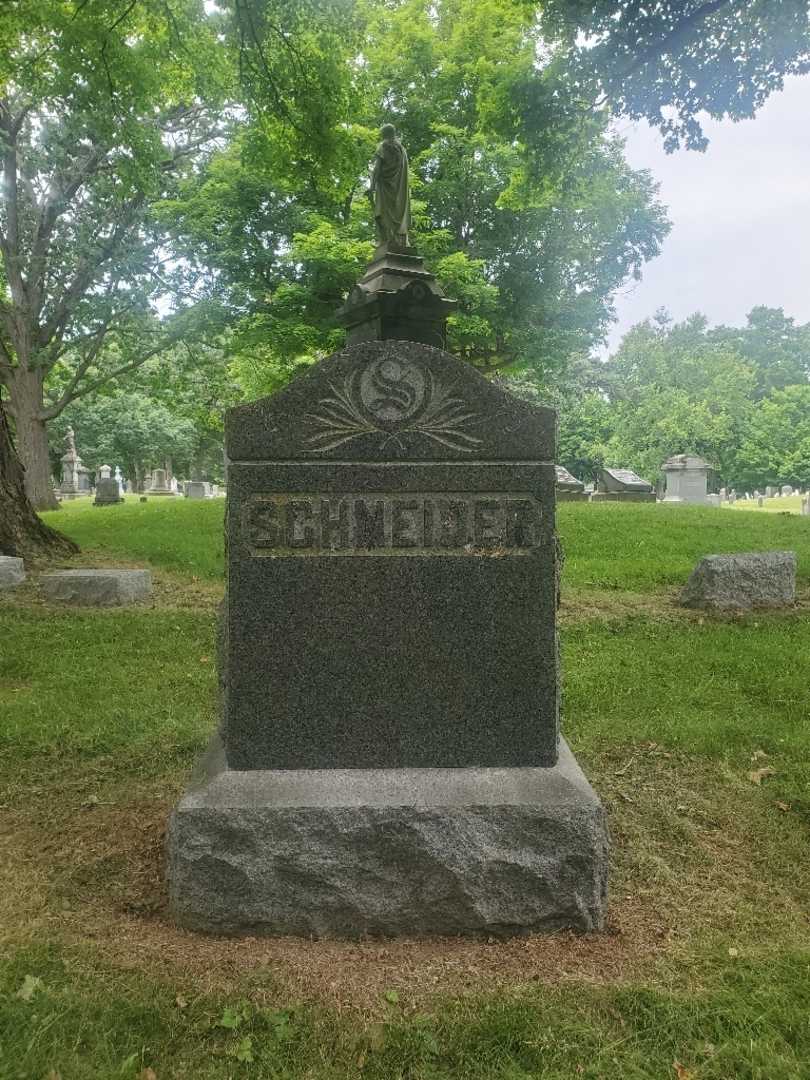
[[391, 390], [393, 397]]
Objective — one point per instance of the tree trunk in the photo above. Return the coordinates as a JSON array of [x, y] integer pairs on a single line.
[[32, 438], [21, 531]]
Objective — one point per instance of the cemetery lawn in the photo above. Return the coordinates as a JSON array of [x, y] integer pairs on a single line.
[[694, 730]]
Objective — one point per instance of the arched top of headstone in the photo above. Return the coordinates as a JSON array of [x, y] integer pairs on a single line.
[[391, 401]]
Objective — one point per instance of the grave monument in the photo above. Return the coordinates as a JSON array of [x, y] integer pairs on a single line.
[[389, 760], [75, 477], [108, 489], [687, 479], [160, 484], [622, 485], [568, 488]]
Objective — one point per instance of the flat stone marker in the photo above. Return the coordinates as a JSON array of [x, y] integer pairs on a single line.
[[762, 579], [12, 572], [97, 588], [389, 759]]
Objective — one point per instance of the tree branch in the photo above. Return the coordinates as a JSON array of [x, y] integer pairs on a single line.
[[72, 393], [674, 37]]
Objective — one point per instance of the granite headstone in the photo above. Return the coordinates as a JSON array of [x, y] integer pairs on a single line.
[[389, 758]]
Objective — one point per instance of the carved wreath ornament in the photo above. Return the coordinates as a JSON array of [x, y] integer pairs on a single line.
[[391, 397]]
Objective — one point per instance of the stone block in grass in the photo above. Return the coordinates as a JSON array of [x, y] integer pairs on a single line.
[[97, 588], [12, 572], [761, 579]]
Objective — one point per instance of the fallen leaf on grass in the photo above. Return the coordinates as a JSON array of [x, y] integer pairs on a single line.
[[758, 775], [758, 754], [783, 806], [31, 983], [147, 1074], [681, 1071], [733, 952], [54, 1075], [180, 1002]]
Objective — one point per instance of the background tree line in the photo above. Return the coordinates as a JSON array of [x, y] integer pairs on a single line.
[[738, 396]]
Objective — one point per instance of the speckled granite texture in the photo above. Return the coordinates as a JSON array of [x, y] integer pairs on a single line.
[[353, 853]]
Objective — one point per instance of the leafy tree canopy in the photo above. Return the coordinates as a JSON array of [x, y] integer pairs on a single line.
[[667, 61], [533, 256]]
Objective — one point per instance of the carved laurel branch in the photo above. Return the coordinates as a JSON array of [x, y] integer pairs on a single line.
[[340, 420]]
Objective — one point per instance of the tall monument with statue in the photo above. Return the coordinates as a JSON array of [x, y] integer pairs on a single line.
[[397, 297], [389, 760]]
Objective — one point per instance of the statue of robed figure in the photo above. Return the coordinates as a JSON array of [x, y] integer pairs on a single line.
[[389, 189]]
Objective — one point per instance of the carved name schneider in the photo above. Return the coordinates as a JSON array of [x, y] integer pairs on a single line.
[[391, 523]]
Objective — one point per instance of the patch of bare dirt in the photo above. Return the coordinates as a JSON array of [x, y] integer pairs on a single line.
[[682, 865]]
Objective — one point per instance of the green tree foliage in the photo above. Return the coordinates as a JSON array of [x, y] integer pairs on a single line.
[[777, 442], [128, 429], [103, 108], [667, 61], [731, 394], [533, 250], [776, 347]]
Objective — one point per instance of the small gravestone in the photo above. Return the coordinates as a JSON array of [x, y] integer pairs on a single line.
[[108, 491], [787, 489], [97, 588], [763, 579], [770, 491], [713, 500], [806, 506], [723, 494], [12, 572], [686, 478], [160, 483], [389, 759], [622, 485], [760, 501], [568, 488], [198, 489]]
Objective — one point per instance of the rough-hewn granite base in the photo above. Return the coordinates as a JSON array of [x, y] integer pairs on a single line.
[[355, 852]]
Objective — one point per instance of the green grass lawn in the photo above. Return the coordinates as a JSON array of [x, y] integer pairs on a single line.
[[695, 731], [634, 547]]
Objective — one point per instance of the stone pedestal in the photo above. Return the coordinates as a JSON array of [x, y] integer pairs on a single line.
[[397, 298], [358, 852]]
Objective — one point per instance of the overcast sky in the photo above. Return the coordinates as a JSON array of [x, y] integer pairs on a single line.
[[740, 217]]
